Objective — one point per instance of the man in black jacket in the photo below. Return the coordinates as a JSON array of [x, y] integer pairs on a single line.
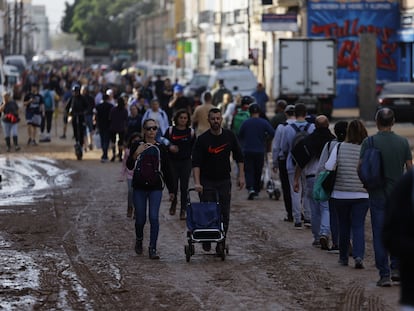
[[211, 163]]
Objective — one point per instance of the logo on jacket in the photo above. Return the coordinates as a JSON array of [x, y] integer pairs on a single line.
[[178, 137], [216, 150]]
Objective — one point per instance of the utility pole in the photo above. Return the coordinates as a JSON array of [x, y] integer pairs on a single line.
[[15, 28], [21, 28]]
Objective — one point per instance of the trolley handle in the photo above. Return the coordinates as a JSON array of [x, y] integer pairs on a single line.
[[204, 190]]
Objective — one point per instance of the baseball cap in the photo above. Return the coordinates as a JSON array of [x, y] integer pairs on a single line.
[[178, 88], [290, 108], [109, 92], [254, 108]]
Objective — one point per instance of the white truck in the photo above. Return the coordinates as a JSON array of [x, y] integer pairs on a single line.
[[307, 73]]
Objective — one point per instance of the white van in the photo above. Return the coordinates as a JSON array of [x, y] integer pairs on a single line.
[[16, 60], [238, 79], [12, 79]]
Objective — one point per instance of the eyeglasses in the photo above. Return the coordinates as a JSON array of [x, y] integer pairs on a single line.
[[154, 128]]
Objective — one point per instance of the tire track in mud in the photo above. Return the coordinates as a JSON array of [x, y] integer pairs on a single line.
[[100, 297]]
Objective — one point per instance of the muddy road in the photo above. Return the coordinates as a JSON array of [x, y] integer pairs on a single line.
[[66, 244]]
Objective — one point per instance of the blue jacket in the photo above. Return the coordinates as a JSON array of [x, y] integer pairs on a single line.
[[253, 134]]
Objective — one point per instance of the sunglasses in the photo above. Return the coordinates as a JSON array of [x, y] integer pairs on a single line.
[[154, 128]]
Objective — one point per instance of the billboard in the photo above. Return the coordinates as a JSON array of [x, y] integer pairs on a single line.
[[344, 21]]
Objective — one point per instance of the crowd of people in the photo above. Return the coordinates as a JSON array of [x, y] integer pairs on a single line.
[[200, 134]]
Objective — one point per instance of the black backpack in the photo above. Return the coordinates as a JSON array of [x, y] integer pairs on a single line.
[[147, 171], [371, 170]]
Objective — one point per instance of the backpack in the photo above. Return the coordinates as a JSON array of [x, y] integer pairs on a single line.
[[48, 100], [298, 149], [147, 171], [371, 171], [238, 119]]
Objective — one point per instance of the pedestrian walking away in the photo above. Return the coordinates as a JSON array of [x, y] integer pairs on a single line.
[[47, 117], [211, 164], [396, 156], [349, 198], [253, 136], [279, 160], [312, 146], [300, 127]]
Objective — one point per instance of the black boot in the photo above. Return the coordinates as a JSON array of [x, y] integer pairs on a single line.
[[173, 207], [182, 214], [7, 144], [153, 253], [16, 145], [113, 154], [138, 247]]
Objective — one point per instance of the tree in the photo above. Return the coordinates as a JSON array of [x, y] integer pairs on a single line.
[[102, 21], [66, 22]]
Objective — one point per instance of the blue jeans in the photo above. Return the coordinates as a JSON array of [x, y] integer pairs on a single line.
[[319, 211], [140, 202], [351, 216], [297, 200], [377, 209], [9, 129]]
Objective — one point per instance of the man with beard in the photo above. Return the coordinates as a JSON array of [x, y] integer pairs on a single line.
[[212, 167]]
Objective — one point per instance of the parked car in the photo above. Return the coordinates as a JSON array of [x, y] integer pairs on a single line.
[[238, 79], [399, 96], [197, 85]]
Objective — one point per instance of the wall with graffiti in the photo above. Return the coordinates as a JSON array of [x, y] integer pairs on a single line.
[[344, 21]]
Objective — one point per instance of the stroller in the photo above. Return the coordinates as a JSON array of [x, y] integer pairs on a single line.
[[204, 224]]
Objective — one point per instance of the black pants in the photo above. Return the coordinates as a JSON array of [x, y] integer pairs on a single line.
[[253, 167], [78, 124], [284, 180], [223, 187], [46, 121], [181, 172]]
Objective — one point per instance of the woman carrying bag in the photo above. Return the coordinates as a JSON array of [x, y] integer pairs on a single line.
[[9, 121], [349, 197]]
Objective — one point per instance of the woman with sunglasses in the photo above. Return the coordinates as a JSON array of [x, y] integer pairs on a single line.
[[151, 195]]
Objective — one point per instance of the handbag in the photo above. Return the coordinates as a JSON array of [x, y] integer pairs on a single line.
[[324, 183], [11, 118], [329, 181], [318, 193]]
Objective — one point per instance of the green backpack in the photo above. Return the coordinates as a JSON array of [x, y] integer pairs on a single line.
[[238, 119]]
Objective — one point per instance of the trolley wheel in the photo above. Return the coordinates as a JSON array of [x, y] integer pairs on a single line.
[[187, 253], [277, 194]]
